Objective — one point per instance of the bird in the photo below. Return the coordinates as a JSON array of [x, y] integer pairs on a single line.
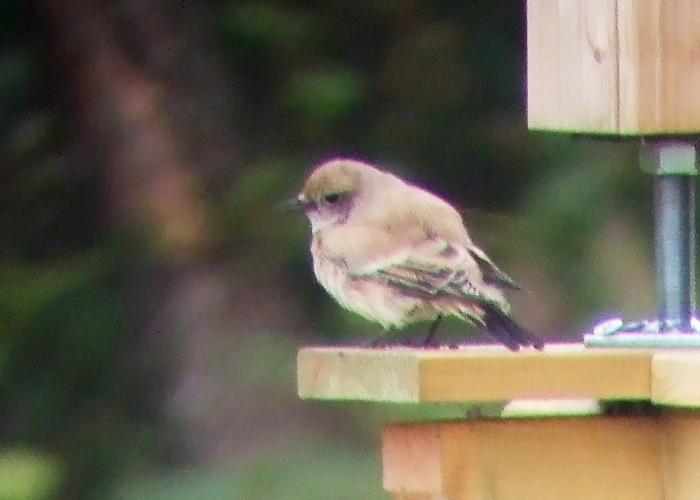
[[397, 254]]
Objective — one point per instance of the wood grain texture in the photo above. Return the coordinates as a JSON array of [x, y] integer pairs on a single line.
[[614, 66], [601, 458], [358, 374], [572, 64], [681, 455], [430, 460], [676, 378], [478, 373]]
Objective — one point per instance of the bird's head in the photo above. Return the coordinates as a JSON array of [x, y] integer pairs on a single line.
[[330, 192]]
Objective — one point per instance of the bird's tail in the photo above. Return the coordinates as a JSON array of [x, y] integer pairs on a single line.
[[504, 329]]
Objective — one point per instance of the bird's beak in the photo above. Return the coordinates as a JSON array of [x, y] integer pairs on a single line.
[[297, 204]]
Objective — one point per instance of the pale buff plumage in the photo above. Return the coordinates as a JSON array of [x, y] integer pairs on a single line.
[[395, 253]]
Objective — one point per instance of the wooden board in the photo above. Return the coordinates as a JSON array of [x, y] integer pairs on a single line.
[[478, 373], [601, 458], [676, 378], [614, 66]]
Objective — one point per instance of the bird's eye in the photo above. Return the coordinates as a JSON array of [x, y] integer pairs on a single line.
[[332, 198]]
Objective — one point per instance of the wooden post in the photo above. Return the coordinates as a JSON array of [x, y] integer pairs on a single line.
[[597, 67], [614, 66]]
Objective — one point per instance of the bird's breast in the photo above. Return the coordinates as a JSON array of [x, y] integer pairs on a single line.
[[371, 298], [332, 274]]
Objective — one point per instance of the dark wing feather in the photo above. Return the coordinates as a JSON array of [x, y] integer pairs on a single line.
[[428, 271], [489, 270], [506, 330], [429, 281]]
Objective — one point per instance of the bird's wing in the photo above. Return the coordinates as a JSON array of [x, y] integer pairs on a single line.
[[451, 276], [417, 243], [431, 269], [489, 270], [445, 223]]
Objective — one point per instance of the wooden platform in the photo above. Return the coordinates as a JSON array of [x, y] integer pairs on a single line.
[[596, 458], [483, 373]]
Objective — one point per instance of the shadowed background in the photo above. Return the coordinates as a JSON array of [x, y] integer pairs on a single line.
[[151, 298]]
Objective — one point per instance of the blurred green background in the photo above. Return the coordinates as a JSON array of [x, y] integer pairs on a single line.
[[151, 299]]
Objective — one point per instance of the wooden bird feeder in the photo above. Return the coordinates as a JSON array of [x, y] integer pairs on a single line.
[[599, 67]]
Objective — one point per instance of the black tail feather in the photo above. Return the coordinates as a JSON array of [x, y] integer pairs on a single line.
[[504, 329]]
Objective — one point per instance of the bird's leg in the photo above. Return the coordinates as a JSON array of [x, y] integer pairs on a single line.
[[391, 340], [385, 339], [430, 338]]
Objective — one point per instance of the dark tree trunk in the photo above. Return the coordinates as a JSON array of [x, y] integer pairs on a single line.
[[155, 108]]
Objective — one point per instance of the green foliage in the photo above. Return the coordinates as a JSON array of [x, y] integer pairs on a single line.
[[307, 472], [323, 96], [267, 25], [62, 382], [26, 474]]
